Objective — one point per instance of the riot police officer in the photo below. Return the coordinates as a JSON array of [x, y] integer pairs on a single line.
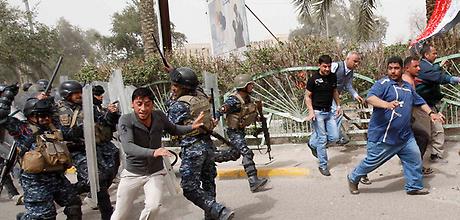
[[70, 118], [197, 169], [106, 119], [13, 193], [44, 157], [241, 111]]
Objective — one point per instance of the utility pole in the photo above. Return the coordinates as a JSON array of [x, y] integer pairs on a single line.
[[165, 25], [29, 15]]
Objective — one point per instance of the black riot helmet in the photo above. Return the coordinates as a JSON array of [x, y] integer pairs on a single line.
[[43, 83], [26, 86], [34, 106], [69, 87], [184, 77], [98, 90]]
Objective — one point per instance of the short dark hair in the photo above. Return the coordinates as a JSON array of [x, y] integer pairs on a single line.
[[141, 93], [395, 59], [325, 59], [409, 60], [426, 48]]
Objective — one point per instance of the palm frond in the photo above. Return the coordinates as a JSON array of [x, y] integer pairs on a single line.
[[304, 8], [366, 22], [321, 9]]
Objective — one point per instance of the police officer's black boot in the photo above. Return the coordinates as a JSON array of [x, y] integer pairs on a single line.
[[103, 201], [208, 216], [19, 215], [226, 214], [256, 183], [73, 212], [219, 212]]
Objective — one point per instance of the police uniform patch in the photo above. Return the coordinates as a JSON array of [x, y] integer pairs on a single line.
[[65, 119]]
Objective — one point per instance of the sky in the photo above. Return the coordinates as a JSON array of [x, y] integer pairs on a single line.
[[190, 16]]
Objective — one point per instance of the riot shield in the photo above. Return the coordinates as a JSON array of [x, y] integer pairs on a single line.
[[90, 140], [170, 178], [5, 143], [119, 93], [210, 82], [116, 93], [4, 147]]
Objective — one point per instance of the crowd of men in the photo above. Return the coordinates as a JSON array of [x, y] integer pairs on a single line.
[[404, 122]]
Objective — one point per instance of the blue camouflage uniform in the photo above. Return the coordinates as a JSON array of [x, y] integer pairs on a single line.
[[41, 190], [74, 134], [105, 151], [110, 154], [237, 138], [197, 169]]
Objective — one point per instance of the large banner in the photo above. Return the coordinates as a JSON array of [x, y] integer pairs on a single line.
[[229, 27], [445, 15]]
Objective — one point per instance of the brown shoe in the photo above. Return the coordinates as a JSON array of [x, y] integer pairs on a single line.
[[353, 187], [423, 191], [324, 171], [365, 180], [427, 171]]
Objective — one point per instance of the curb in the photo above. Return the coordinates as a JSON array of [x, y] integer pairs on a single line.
[[235, 173]]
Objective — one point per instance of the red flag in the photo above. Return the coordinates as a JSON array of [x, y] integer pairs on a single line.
[[445, 15]]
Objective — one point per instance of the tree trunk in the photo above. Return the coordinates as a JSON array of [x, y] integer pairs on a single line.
[[149, 26], [429, 8]]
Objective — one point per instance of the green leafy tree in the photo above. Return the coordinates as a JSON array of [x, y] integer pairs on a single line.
[[319, 10], [75, 45], [128, 40], [24, 54], [342, 19]]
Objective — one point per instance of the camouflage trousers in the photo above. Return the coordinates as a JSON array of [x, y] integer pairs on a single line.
[[80, 163], [108, 160], [107, 170], [198, 172], [43, 189], [240, 147]]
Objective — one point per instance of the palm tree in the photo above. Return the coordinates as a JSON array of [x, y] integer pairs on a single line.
[[429, 8], [320, 9], [149, 26]]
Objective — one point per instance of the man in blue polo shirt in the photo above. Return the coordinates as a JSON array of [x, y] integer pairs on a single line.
[[390, 131]]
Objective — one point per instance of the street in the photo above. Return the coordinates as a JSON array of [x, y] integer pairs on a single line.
[[313, 196]]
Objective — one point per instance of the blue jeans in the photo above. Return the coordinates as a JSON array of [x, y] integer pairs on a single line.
[[337, 119], [324, 130], [378, 153]]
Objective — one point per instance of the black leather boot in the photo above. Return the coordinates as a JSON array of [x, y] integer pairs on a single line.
[[256, 183]]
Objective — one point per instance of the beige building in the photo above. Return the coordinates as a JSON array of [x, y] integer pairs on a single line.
[[204, 49]]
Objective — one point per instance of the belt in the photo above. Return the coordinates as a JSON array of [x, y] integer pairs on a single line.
[[322, 109]]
